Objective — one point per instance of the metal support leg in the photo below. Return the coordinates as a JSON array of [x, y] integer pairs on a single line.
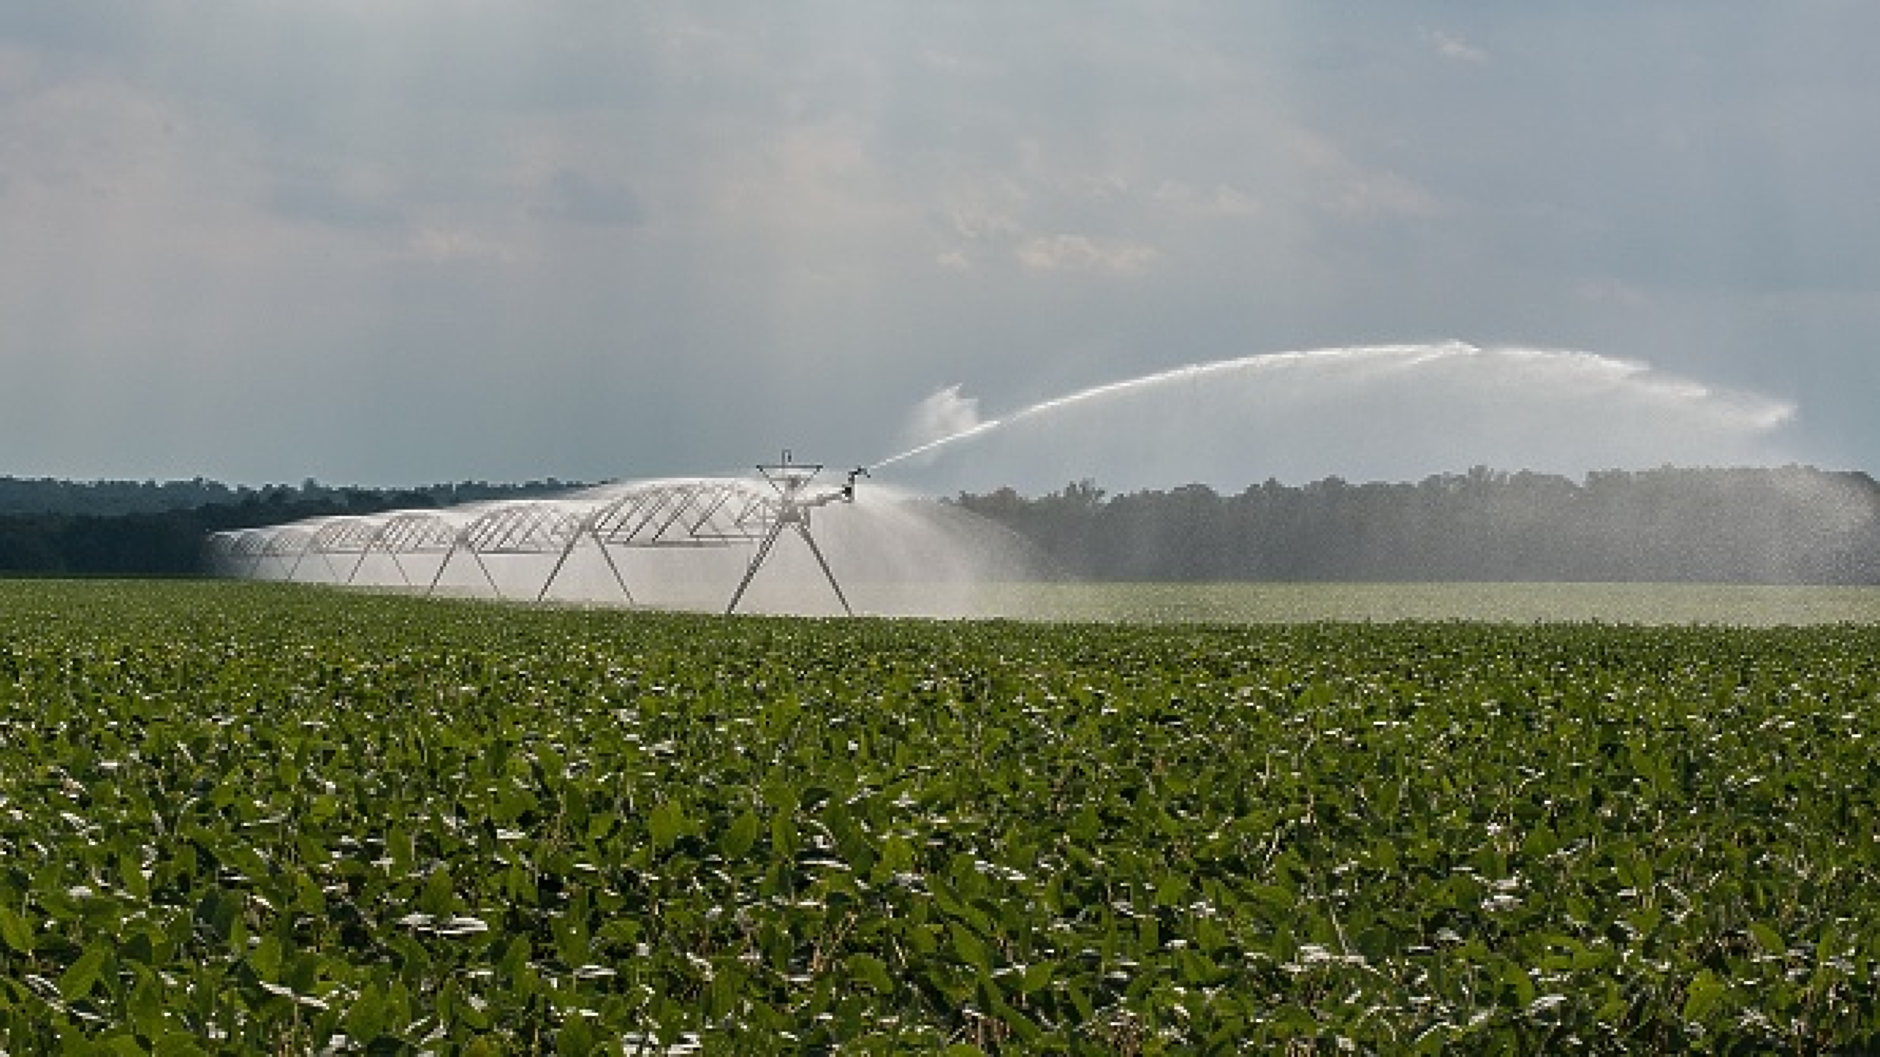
[[618, 577], [294, 569], [803, 531], [556, 571], [438, 577], [757, 562], [487, 575], [354, 575]]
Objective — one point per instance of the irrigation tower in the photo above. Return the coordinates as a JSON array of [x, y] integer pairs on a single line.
[[613, 520]]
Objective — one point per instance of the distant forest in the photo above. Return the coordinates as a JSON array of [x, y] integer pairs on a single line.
[[1790, 525], [128, 528], [1787, 525]]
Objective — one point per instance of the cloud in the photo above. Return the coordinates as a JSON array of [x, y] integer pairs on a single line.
[[321, 202], [1453, 47], [95, 132], [1602, 291], [1370, 196], [1220, 201], [457, 245], [1084, 253], [577, 199]]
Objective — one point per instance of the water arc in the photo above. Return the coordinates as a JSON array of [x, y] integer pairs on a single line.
[[1390, 412]]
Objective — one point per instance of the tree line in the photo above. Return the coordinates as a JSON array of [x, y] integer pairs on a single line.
[[1776, 525], [127, 528], [1763, 525]]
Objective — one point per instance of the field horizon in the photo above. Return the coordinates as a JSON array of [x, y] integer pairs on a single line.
[[1745, 605]]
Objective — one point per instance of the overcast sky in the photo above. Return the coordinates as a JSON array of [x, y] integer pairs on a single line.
[[401, 242]]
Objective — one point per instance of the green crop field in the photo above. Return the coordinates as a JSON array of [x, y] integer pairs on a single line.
[[242, 817]]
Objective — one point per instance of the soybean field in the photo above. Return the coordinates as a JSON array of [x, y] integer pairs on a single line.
[[240, 817]]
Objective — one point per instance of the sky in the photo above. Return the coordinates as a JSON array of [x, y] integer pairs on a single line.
[[438, 240]]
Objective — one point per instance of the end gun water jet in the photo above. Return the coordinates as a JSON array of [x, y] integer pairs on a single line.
[[933, 444]]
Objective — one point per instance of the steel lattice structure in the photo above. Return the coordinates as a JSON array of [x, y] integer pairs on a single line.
[[698, 512]]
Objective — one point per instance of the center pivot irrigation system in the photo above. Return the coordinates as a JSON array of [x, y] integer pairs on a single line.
[[697, 512]]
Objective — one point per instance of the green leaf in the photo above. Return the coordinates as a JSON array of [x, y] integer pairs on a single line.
[[244, 858], [1036, 978], [920, 938], [126, 1045], [1768, 938], [1825, 946], [145, 1004], [131, 876], [665, 824], [322, 809], [439, 893], [515, 957], [1274, 897], [576, 1038], [266, 958], [970, 948], [217, 913], [1170, 888], [1292, 1021], [15, 931], [784, 838], [401, 849], [1518, 979], [1021, 1025], [1080, 1001], [369, 1014], [740, 836], [871, 971], [78, 978], [456, 1006], [600, 824], [897, 855], [1703, 997]]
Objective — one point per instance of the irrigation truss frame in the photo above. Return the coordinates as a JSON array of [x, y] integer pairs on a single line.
[[677, 513]]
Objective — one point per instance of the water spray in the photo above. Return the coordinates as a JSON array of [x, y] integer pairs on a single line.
[[1613, 411]]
